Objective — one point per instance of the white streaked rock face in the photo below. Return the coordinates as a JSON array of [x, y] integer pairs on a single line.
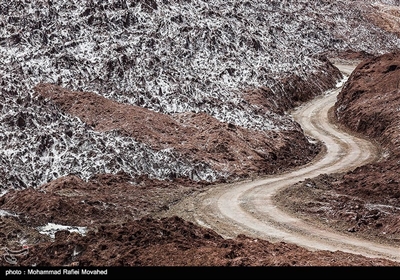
[[168, 56]]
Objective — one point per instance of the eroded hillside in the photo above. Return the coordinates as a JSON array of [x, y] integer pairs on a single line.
[[113, 110], [242, 63]]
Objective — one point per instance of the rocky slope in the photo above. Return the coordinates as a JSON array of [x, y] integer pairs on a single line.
[[366, 201], [242, 63], [229, 149], [112, 111]]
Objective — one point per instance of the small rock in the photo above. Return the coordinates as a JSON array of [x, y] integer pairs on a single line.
[[352, 229]]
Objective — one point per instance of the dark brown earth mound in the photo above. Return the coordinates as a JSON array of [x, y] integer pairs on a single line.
[[350, 56], [175, 242], [104, 199], [107, 205], [370, 101], [294, 90], [229, 148], [365, 201], [15, 232]]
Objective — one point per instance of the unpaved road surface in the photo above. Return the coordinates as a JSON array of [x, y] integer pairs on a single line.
[[248, 207]]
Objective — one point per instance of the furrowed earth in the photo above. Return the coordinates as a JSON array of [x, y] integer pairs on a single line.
[[104, 129]]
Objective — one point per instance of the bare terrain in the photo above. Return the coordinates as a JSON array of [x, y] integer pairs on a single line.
[[198, 133], [363, 202]]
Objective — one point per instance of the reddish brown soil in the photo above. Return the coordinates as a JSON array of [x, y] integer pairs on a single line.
[[294, 90], [365, 201], [175, 242], [370, 101], [104, 199], [237, 150], [15, 232], [116, 209], [350, 56]]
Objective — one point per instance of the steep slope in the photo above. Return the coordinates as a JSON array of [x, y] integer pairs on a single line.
[[167, 56], [227, 148]]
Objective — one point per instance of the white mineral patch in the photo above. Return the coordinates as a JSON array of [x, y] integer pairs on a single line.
[[341, 82], [3, 192], [50, 229], [4, 213]]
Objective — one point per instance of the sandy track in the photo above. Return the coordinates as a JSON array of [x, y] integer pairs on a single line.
[[248, 207]]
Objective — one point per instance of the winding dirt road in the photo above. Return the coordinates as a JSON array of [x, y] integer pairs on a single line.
[[247, 207]]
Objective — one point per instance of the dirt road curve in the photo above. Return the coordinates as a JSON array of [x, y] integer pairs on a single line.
[[248, 207]]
